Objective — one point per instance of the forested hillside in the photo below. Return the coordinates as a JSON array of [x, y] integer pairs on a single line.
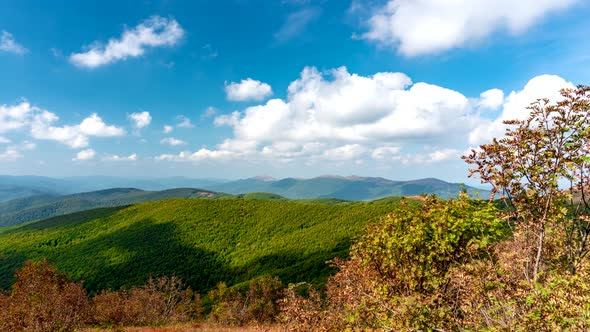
[[201, 241], [22, 210]]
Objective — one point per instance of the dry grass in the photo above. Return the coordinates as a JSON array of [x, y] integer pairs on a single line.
[[196, 327]]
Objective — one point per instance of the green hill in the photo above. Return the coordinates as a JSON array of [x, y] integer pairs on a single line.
[[202, 241], [22, 210]]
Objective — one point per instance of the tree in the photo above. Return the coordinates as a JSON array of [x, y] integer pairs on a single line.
[[548, 149], [397, 277]]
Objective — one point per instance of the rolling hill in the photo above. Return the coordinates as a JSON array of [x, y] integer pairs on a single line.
[[204, 241], [348, 188], [22, 210], [13, 187]]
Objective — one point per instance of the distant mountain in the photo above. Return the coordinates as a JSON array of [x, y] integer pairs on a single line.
[[22, 210], [349, 188], [13, 187], [91, 183]]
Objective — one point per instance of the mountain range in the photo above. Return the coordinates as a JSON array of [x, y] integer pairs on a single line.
[[349, 188], [12, 187], [27, 209]]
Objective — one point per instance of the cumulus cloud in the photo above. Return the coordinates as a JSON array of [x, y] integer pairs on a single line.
[[14, 152], [140, 120], [340, 116], [167, 129], [515, 106], [432, 26], [337, 116], [41, 125], [154, 32], [4, 140], [184, 122], [248, 89], [85, 155], [491, 99], [114, 157], [172, 141], [8, 44], [76, 136], [351, 108]]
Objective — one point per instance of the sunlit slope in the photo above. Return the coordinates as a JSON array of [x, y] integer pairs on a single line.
[[203, 241], [22, 210]]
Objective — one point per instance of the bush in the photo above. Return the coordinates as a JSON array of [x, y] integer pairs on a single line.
[[160, 301], [259, 304], [42, 299], [398, 275]]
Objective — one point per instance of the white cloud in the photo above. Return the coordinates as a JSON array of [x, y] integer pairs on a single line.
[[140, 120], [420, 27], [40, 124], [296, 23], [442, 155], [14, 152], [167, 129], [342, 117], [172, 141], [386, 153], [248, 89], [85, 155], [202, 154], [209, 112], [515, 106], [74, 136], [154, 32], [14, 117], [345, 152], [4, 140], [352, 108], [8, 44], [113, 157], [184, 122], [491, 99]]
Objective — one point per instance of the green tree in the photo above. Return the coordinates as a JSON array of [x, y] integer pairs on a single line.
[[398, 276], [527, 166]]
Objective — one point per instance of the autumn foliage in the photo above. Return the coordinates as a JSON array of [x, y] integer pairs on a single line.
[[42, 299]]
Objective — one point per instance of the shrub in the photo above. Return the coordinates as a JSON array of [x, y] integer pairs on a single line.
[[42, 299], [399, 273], [259, 304], [160, 301]]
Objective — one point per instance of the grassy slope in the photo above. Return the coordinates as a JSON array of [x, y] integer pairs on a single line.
[[203, 241]]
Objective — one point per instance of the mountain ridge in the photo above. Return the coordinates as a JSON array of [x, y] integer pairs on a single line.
[[345, 187]]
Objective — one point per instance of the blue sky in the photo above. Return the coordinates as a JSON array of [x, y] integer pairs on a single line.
[[392, 88]]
